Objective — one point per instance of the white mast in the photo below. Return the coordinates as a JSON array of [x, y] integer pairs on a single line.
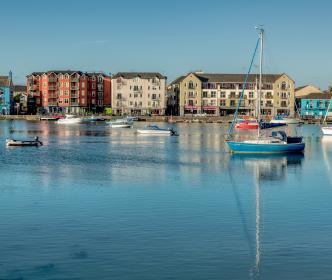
[[261, 35]]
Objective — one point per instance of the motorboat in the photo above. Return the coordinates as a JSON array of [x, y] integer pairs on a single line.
[[156, 130], [120, 123], [23, 143], [285, 120], [70, 119], [247, 124], [327, 130], [132, 118], [92, 119], [266, 125]]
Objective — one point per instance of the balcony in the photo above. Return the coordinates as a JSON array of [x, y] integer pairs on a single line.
[[52, 95], [74, 95], [74, 87], [52, 80], [52, 88], [268, 96], [269, 105], [74, 80], [52, 103]]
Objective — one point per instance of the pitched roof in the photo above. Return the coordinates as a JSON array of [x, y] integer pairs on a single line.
[[4, 81], [142, 75], [177, 80], [236, 78], [301, 87], [19, 88], [316, 95]]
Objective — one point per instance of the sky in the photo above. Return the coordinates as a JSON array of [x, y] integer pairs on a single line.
[[173, 37]]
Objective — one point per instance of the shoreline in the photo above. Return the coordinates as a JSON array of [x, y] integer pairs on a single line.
[[173, 119]]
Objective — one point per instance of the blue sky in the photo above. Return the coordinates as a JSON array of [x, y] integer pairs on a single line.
[[171, 37]]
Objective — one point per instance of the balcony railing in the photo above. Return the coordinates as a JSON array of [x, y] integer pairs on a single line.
[[52, 103], [74, 80], [74, 103], [74, 87], [268, 96], [52, 88]]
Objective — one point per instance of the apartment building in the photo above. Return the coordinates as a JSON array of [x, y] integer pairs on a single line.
[[139, 93], [69, 91], [219, 94]]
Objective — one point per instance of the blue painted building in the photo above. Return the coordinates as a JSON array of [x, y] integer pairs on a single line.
[[6, 95], [315, 105]]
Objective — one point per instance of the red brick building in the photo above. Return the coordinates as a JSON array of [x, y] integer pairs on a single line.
[[70, 91]]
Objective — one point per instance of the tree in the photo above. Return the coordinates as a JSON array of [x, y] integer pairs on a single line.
[[17, 98]]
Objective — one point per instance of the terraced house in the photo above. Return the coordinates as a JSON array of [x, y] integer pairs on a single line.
[[139, 93], [69, 91], [219, 94]]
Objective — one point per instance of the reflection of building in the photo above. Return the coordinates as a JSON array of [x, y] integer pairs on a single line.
[[6, 96], [139, 93], [69, 91], [219, 94], [315, 105]]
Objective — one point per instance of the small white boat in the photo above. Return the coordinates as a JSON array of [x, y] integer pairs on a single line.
[[120, 123], [23, 143], [327, 130], [155, 130], [132, 118], [70, 119], [285, 120]]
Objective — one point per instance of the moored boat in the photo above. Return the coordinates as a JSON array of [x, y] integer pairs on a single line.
[[285, 120], [120, 123], [155, 130], [327, 130], [70, 119], [278, 142], [23, 143], [266, 125], [247, 124]]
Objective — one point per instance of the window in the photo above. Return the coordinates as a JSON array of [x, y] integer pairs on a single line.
[[190, 94], [83, 85], [191, 85], [222, 102], [83, 100], [135, 88], [83, 92], [223, 94], [66, 92], [67, 84], [119, 96], [154, 96], [213, 94], [191, 102], [283, 85], [205, 94], [93, 86], [100, 79], [66, 101], [251, 94]]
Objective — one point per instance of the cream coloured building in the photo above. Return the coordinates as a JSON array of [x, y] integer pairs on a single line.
[[138, 93], [219, 94]]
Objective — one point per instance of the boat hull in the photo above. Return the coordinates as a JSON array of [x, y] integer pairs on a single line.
[[285, 121], [154, 132], [327, 130], [246, 126], [271, 148], [68, 121], [120, 125], [22, 143]]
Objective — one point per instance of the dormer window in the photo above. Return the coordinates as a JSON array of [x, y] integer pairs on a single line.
[[66, 76], [136, 80], [100, 79]]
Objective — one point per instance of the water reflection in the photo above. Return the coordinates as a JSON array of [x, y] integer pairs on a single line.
[[265, 169]]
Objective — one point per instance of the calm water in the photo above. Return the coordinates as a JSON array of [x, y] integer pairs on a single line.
[[93, 203]]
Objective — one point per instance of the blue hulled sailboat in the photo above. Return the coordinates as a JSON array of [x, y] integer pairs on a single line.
[[278, 141]]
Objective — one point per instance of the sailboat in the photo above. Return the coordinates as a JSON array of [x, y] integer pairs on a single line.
[[327, 130], [278, 142]]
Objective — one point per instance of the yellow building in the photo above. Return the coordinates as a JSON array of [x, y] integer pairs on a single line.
[[219, 94]]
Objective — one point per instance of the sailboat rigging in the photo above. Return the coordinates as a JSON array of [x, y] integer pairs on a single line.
[[278, 142]]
